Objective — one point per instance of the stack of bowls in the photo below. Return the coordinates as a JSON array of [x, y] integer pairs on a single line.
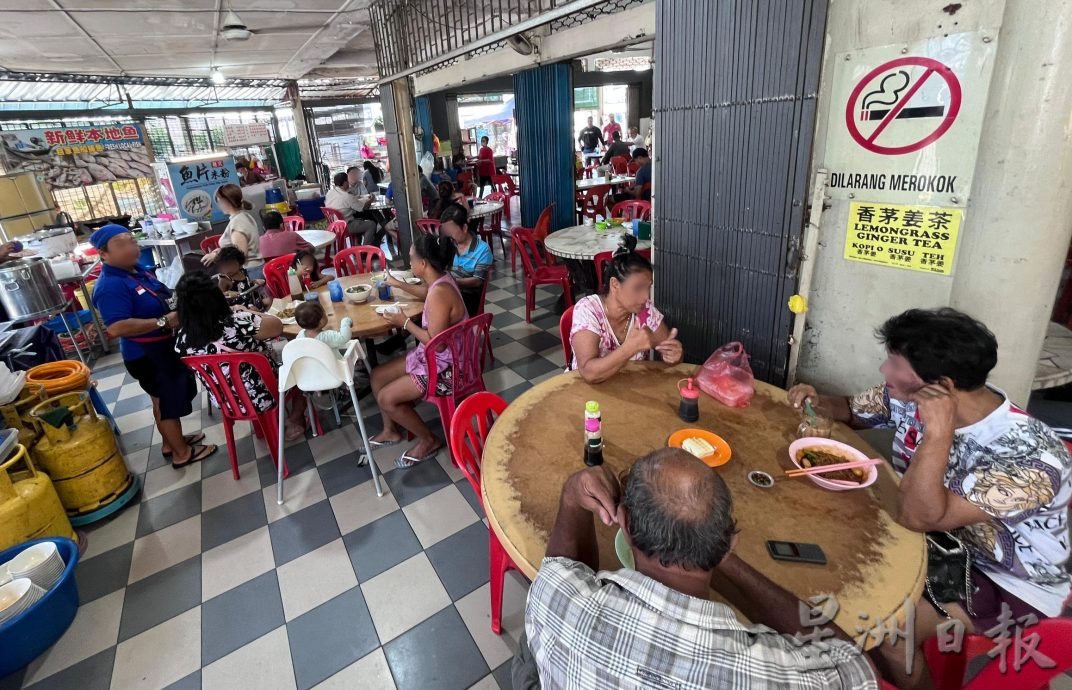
[[17, 596], [41, 564]]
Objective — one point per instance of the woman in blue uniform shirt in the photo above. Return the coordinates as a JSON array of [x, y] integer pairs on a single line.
[[134, 307]]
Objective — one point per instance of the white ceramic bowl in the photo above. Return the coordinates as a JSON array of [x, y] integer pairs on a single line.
[[355, 295]]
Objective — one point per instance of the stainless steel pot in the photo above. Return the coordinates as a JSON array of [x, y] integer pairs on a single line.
[[28, 288]]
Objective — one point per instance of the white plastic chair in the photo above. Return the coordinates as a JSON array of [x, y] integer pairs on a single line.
[[313, 367]]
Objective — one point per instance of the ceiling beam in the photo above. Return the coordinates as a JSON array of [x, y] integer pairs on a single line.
[[87, 35]]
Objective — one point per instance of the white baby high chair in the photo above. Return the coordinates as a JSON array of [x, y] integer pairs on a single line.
[[313, 367]]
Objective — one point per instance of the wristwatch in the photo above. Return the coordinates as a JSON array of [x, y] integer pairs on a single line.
[[162, 322]]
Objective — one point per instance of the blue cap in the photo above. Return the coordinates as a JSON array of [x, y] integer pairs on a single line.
[[99, 239]]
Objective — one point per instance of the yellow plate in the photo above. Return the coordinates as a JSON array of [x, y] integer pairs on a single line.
[[722, 452]]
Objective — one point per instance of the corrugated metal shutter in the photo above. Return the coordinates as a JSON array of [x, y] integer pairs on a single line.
[[735, 92], [544, 111]]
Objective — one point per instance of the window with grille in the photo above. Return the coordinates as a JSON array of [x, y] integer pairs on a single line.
[[122, 197]]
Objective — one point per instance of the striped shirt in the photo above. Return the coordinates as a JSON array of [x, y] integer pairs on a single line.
[[592, 631]]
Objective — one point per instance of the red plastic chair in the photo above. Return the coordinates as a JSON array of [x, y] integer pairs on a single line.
[[947, 670], [592, 202], [234, 400], [588, 171], [632, 168], [464, 179], [603, 258], [630, 210], [468, 343], [275, 276], [210, 244], [492, 225], [565, 325], [537, 271], [294, 223], [468, 430], [620, 165], [331, 214], [358, 259], [428, 226]]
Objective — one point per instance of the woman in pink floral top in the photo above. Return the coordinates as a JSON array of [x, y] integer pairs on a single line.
[[621, 324]]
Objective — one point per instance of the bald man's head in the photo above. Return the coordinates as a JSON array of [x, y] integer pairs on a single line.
[[679, 511]]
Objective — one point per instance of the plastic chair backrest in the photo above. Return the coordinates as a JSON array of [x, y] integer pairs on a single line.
[[565, 325], [469, 429], [429, 226], [358, 259], [310, 365], [483, 291], [294, 223], [528, 248], [228, 389], [210, 244], [467, 343], [464, 178], [543, 223], [342, 237], [631, 210], [1055, 642], [632, 168], [593, 201], [332, 214], [275, 276], [620, 164]]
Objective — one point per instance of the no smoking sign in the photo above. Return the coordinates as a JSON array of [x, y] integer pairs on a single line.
[[903, 105], [906, 118]]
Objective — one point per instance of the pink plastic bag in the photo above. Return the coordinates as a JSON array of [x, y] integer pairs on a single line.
[[727, 377]]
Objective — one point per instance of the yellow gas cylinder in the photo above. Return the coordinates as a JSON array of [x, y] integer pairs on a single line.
[[34, 511], [80, 454], [16, 414]]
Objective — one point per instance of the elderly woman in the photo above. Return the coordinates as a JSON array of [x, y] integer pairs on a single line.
[[472, 260], [400, 383], [242, 230], [621, 324], [208, 326], [134, 307]]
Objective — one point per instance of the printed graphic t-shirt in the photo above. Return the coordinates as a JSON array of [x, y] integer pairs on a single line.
[[1016, 470]]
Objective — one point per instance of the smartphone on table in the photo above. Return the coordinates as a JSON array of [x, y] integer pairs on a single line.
[[796, 552]]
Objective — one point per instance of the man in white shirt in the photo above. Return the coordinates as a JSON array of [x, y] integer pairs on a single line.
[[354, 210], [636, 141]]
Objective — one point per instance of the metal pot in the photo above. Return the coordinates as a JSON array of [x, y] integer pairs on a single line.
[[28, 288], [55, 242]]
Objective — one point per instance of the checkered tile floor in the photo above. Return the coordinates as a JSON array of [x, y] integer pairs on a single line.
[[206, 582]]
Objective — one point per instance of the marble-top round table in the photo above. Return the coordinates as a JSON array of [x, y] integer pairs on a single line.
[[583, 242]]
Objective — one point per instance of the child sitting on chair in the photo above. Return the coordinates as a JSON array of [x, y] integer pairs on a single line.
[[237, 286], [305, 266], [311, 317]]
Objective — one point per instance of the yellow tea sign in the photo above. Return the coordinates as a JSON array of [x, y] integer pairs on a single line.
[[919, 238]]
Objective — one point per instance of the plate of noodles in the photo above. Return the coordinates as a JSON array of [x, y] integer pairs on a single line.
[[813, 452]]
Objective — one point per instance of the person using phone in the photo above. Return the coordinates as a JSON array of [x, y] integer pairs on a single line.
[[655, 626], [971, 462], [621, 324]]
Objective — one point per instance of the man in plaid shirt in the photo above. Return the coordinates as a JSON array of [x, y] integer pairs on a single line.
[[654, 627]]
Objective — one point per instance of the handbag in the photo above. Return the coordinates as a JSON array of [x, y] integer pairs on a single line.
[[948, 571]]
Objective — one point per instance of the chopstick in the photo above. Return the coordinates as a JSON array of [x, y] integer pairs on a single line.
[[823, 469]]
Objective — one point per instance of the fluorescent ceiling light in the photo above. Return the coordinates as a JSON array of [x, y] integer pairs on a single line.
[[217, 76]]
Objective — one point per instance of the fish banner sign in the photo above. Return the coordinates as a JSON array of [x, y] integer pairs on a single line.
[[77, 156]]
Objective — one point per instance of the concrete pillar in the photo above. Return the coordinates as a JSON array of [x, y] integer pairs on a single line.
[[1017, 230], [397, 102], [301, 131]]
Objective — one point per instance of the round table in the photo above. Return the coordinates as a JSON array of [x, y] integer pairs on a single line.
[[318, 238], [367, 323], [482, 209], [603, 181], [381, 205], [874, 564], [583, 242]]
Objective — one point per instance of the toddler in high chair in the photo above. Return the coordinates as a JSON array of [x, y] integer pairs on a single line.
[[311, 317]]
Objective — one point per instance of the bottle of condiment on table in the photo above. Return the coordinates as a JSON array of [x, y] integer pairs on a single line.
[[593, 443], [689, 408], [591, 411], [297, 290]]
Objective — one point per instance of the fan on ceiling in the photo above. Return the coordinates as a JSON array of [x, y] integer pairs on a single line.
[[525, 43], [234, 29]]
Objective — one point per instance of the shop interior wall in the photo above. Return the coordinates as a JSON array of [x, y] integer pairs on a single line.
[[850, 299]]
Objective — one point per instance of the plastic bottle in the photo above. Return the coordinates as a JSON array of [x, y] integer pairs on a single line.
[[593, 443], [591, 411], [296, 288], [689, 408]]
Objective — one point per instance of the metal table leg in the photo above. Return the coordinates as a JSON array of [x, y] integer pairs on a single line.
[[74, 340], [101, 332]]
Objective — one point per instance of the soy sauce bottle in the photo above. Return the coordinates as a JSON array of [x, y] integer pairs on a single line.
[[689, 408], [593, 443]]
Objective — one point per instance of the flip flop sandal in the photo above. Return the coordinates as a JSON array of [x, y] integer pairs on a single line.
[[191, 439], [383, 444], [405, 461], [200, 452]]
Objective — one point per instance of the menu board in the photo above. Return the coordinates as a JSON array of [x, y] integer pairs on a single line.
[[194, 182], [65, 157], [246, 134]]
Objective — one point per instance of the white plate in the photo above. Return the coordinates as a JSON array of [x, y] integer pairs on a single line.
[[32, 557], [289, 321]]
